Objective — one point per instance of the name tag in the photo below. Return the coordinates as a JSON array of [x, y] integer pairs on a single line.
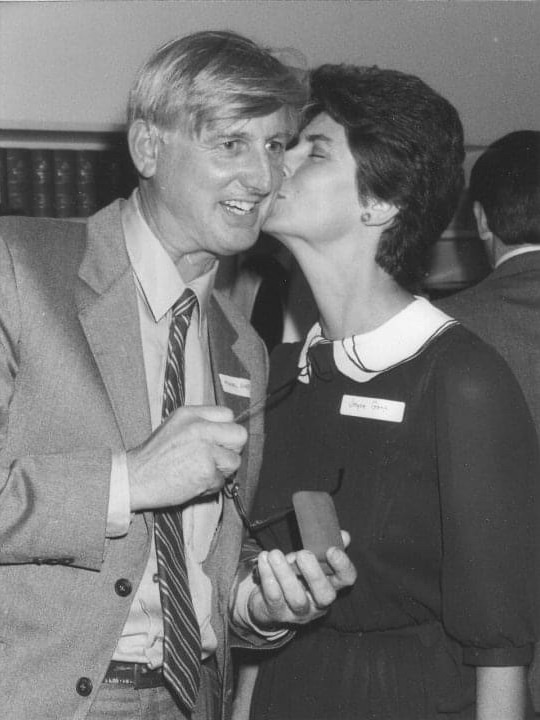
[[235, 385], [372, 408]]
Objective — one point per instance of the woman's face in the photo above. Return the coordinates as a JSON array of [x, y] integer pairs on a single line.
[[318, 201]]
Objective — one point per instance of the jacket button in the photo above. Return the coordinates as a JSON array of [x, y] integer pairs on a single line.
[[122, 587], [84, 686]]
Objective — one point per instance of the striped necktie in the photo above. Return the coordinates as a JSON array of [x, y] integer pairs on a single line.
[[182, 640]]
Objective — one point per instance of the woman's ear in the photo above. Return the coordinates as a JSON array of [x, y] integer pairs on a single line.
[[143, 141], [377, 213]]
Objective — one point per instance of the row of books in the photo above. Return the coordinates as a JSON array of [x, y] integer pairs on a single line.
[[62, 183]]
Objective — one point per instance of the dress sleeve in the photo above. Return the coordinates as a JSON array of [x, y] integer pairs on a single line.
[[488, 472]]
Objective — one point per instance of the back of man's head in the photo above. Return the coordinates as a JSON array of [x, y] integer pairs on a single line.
[[505, 180], [208, 76]]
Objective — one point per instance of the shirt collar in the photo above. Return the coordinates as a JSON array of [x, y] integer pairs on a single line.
[[363, 357], [517, 251], [155, 272]]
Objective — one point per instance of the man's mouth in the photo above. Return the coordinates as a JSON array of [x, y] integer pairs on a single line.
[[239, 207]]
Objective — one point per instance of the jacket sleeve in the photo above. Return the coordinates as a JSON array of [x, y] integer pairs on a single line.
[[53, 508]]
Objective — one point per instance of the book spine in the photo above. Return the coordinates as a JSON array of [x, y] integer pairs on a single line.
[[85, 182], [117, 176], [129, 177], [109, 177], [64, 183], [3, 182], [42, 169], [19, 180]]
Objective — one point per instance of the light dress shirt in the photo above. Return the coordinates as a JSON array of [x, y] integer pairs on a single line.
[[159, 286]]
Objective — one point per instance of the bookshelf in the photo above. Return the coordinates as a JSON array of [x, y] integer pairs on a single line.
[[62, 172]]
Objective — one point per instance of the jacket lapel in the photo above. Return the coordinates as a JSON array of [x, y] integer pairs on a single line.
[[231, 377], [230, 372], [107, 304]]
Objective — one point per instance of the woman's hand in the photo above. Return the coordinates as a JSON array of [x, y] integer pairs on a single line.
[[284, 597]]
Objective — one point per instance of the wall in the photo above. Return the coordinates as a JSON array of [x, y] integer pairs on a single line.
[[69, 64]]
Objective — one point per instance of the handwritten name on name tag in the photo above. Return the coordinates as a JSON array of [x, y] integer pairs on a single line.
[[372, 408], [235, 385]]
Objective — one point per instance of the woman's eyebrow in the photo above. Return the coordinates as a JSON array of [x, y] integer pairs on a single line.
[[318, 137]]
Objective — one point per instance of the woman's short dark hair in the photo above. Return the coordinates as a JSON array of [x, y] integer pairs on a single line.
[[407, 141], [506, 181]]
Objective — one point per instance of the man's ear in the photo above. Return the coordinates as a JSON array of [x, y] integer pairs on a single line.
[[491, 243], [481, 221], [377, 213], [143, 140]]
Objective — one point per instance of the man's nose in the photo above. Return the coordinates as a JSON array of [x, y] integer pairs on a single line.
[[292, 159], [261, 171]]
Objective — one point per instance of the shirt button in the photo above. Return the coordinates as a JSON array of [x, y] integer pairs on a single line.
[[155, 577], [84, 686], [122, 587]]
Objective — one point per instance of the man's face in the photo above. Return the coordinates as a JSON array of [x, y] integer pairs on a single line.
[[211, 194]]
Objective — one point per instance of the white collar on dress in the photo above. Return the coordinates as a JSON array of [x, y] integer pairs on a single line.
[[363, 357]]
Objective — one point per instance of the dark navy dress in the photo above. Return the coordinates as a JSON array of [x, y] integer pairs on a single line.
[[440, 508]]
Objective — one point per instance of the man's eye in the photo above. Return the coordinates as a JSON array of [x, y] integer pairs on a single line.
[[276, 146], [231, 145]]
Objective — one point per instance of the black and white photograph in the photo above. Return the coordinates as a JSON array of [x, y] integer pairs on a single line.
[[269, 360]]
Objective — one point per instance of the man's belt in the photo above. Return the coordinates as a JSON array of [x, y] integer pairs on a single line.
[[137, 675]]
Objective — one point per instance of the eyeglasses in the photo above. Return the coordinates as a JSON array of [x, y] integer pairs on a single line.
[[287, 385], [231, 490], [264, 401]]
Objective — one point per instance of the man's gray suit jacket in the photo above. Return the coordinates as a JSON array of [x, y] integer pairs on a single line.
[[72, 391]]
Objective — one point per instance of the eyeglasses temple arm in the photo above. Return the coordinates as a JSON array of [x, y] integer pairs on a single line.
[[260, 404]]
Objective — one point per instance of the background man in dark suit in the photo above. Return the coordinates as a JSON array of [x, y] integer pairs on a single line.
[[504, 309], [117, 547]]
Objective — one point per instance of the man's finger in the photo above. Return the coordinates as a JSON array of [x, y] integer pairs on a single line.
[[212, 413], [227, 435], [226, 461]]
